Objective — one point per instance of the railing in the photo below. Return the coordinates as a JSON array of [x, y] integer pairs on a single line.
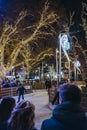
[[7, 91]]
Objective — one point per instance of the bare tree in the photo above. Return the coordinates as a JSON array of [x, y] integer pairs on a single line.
[[10, 37], [78, 51], [84, 19], [8, 31], [84, 25], [33, 62]]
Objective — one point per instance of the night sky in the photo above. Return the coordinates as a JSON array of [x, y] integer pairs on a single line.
[[11, 8], [68, 4]]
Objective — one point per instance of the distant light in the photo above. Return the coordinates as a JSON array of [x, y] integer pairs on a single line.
[[66, 46], [62, 74], [77, 64], [65, 42], [48, 75], [37, 77]]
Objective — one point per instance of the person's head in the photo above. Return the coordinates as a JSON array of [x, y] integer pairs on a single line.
[[6, 107], [22, 117], [69, 92]]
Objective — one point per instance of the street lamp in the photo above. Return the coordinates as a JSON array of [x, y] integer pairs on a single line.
[[76, 67], [11, 84], [57, 65], [65, 45]]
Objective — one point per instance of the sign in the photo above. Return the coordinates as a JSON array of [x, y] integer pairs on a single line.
[[27, 87]]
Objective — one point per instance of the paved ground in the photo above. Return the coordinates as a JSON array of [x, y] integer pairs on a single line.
[[40, 99]]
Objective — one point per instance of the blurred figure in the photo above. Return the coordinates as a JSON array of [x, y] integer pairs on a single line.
[[20, 91], [22, 117], [56, 96], [6, 107], [68, 115], [6, 85], [48, 85]]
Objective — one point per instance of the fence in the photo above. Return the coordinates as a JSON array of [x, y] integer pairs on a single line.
[[12, 91]]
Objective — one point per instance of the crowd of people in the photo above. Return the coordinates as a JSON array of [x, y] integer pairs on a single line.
[[6, 83], [67, 115]]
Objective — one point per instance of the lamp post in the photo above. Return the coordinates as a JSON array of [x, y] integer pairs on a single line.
[[57, 65], [42, 72], [11, 84], [60, 47], [65, 45], [76, 68]]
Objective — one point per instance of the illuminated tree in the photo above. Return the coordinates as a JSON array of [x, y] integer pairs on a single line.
[[84, 19], [84, 25], [13, 42], [33, 62], [8, 31], [78, 48]]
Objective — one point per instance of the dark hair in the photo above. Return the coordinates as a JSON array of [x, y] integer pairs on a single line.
[[70, 92], [22, 117], [6, 107]]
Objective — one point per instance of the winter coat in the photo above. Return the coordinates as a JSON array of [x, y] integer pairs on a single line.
[[66, 116], [21, 90], [48, 84]]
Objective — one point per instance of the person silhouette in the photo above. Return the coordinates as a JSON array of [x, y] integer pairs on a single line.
[[68, 114], [6, 106], [21, 91], [22, 117]]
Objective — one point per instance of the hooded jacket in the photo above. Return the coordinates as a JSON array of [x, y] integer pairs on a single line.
[[66, 116]]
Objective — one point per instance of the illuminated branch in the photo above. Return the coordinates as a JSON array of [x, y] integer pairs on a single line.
[[76, 45], [84, 53], [84, 19], [46, 19], [67, 25], [32, 62], [8, 32]]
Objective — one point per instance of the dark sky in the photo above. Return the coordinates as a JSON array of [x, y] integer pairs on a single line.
[[68, 4], [7, 6], [71, 4]]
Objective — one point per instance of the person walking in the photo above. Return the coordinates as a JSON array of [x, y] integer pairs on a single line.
[[21, 91], [48, 85], [56, 96], [68, 114]]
